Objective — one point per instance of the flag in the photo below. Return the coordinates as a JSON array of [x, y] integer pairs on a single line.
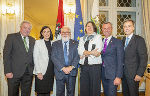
[[78, 26], [95, 14], [60, 19]]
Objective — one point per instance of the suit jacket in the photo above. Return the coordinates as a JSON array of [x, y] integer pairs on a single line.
[[59, 61], [15, 57], [113, 59], [41, 57], [136, 57]]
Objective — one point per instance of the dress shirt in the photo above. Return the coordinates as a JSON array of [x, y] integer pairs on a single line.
[[63, 42], [27, 40], [129, 38], [108, 40]]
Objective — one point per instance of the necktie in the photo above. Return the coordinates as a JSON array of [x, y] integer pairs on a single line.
[[104, 49], [65, 53], [127, 41], [25, 44], [105, 45]]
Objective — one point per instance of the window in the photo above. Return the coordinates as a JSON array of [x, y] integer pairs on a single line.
[[116, 11]]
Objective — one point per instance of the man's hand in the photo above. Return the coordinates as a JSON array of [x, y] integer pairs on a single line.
[[137, 78], [117, 81], [65, 70], [9, 75], [40, 76]]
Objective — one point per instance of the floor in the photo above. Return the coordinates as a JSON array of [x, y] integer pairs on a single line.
[[120, 94]]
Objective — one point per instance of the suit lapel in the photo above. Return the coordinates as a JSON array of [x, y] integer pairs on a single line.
[[70, 49], [31, 44], [123, 40], [60, 46], [109, 44], [21, 42], [130, 42]]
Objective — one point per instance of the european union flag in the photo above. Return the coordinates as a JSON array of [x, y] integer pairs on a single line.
[[78, 26]]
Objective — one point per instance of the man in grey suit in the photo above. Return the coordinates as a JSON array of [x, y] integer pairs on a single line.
[[18, 60], [112, 61], [65, 58], [135, 61]]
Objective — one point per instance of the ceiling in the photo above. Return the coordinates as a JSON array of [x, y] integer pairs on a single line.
[[40, 13]]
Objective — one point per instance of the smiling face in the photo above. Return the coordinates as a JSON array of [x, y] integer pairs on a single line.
[[89, 29], [46, 34], [128, 28], [25, 29], [107, 29]]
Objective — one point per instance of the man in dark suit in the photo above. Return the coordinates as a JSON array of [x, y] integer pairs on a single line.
[[135, 61], [112, 57], [65, 58], [18, 60]]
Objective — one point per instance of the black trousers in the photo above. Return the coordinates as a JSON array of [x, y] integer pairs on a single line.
[[24, 82], [44, 94], [130, 87], [90, 80], [69, 81]]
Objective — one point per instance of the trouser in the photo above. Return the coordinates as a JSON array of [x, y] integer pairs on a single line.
[[90, 80]]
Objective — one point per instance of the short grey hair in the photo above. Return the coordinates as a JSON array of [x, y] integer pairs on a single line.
[[25, 22]]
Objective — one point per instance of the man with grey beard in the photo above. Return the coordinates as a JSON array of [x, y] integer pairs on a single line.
[[65, 58]]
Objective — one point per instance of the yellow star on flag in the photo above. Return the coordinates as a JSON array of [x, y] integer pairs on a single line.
[[78, 38], [81, 31], [80, 22], [77, 16]]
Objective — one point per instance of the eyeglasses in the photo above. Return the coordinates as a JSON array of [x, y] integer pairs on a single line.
[[65, 32]]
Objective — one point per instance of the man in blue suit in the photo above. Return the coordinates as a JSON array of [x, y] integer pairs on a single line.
[[112, 57], [65, 58]]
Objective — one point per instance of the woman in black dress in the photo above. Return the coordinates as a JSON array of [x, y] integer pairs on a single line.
[[44, 68]]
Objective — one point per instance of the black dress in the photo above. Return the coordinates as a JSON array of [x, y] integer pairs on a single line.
[[46, 84]]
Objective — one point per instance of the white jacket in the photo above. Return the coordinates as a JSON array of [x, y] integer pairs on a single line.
[[40, 56], [97, 40]]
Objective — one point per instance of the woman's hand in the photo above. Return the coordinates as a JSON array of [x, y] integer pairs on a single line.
[[95, 52], [40, 76], [86, 53]]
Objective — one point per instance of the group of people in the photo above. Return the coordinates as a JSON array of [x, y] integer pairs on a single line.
[[107, 59]]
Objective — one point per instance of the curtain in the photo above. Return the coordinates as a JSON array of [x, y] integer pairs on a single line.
[[146, 24]]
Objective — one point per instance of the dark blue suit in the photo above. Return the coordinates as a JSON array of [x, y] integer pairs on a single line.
[[112, 65], [59, 62]]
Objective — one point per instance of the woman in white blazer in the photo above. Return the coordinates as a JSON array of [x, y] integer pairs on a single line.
[[89, 49], [44, 68]]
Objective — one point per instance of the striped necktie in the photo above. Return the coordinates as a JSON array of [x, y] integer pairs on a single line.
[[25, 43]]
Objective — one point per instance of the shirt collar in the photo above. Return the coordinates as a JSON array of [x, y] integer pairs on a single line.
[[108, 38], [130, 36], [65, 41], [23, 36]]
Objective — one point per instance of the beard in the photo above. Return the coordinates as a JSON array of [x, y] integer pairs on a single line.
[[65, 38]]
